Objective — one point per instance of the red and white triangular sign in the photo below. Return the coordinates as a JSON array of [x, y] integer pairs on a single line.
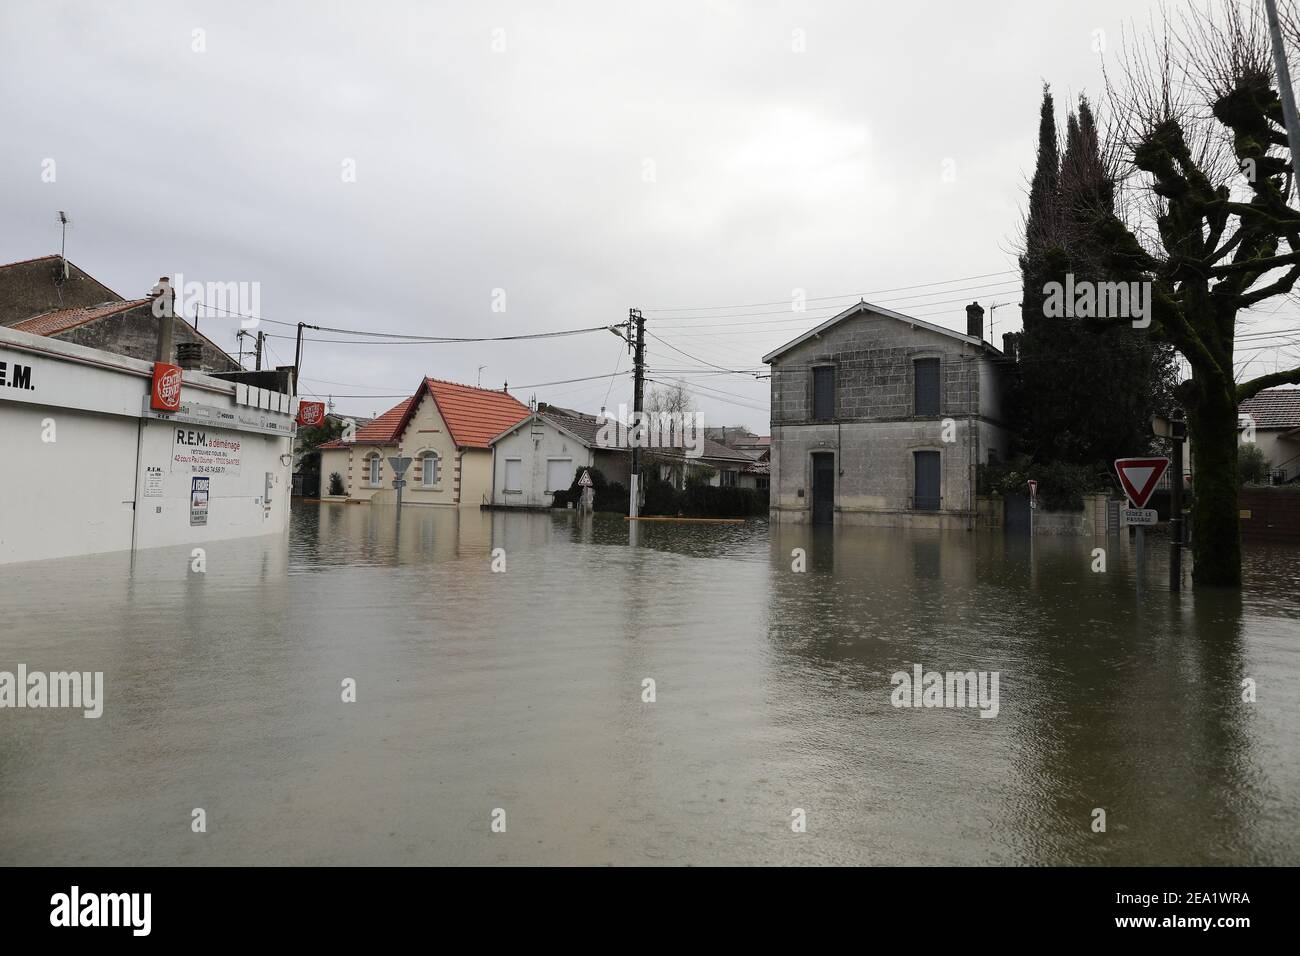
[[1139, 477]]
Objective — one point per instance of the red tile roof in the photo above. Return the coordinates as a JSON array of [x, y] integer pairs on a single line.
[[52, 323], [379, 431], [23, 262], [474, 416], [1273, 408]]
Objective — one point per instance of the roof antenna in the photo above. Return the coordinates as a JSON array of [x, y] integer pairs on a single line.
[[63, 243], [480, 375], [63, 259]]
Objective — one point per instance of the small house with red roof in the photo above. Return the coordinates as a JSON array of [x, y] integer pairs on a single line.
[[445, 428]]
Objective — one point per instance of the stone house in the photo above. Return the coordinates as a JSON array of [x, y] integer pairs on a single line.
[[880, 418]]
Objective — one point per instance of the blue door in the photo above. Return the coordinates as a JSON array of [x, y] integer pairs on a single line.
[[925, 492]]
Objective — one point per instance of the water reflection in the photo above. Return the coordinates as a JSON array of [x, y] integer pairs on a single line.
[[524, 689]]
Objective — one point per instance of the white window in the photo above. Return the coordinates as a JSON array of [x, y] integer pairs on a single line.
[[374, 475], [431, 466], [559, 474], [514, 474]]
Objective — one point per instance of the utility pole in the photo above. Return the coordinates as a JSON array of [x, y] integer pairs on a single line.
[[297, 354], [258, 365], [1284, 91], [636, 321]]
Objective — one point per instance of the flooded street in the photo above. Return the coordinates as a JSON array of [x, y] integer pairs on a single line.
[[523, 691]]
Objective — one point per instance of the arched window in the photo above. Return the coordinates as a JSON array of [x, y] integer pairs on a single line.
[[431, 471], [373, 476]]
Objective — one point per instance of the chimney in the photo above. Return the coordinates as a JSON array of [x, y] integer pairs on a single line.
[[975, 321], [189, 355], [1009, 346], [162, 310]]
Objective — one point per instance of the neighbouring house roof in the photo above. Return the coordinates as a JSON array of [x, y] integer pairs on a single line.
[[32, 287], [581, 428], [377, 431], [584, 429], [474, 416], [865, 307], [1273, 408], [61, 320], [711, 451]]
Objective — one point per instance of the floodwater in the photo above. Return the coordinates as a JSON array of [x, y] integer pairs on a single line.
[[518, 696]]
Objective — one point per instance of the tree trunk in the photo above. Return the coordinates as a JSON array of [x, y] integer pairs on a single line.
[[1216, 526]]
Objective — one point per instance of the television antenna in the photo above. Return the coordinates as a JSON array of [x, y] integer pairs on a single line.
[[64, 223]]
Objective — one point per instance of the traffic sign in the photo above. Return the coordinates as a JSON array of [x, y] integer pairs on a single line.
[[1033, 489], [399, 482], [1140, 516], [1139, 477], [585, 480], [399, 465]]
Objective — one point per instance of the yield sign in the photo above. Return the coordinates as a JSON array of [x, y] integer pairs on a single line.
[[1139, 477]]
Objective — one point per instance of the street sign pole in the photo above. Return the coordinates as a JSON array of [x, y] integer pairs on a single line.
[[1139, 477], [1141, 558], [399, 466], [1175, 431]]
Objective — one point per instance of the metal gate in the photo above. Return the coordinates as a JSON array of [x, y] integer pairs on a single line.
[[1015, 513]]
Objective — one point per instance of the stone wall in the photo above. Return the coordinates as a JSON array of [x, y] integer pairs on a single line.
[[33, 288], [135, 333], [876, 432]]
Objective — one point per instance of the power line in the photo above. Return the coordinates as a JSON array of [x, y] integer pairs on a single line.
[[825, 298]]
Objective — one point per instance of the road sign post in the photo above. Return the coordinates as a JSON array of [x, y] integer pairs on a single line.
[[1139, 477], [399, 466], [586, 504], [1175, 430]]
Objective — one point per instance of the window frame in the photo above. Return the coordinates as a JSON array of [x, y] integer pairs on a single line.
[[549, 460], [425, 457], [505, 477], [825, 368], [929, 361]]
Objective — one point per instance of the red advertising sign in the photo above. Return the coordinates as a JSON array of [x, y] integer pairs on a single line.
[[1139, 477], [166, 387], [311, 413]]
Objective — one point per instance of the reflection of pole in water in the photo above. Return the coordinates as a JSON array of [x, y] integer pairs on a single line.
[[1141, 560]]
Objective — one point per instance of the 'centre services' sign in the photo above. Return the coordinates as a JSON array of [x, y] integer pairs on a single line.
[[196, 451], [165, 393]]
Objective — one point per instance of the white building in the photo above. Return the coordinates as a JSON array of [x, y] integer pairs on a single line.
[[539, 456], [90, 467]]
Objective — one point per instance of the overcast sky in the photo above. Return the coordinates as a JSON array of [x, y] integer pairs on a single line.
[[583, 157]]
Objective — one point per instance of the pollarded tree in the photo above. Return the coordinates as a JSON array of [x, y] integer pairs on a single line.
[[1203, 211]]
